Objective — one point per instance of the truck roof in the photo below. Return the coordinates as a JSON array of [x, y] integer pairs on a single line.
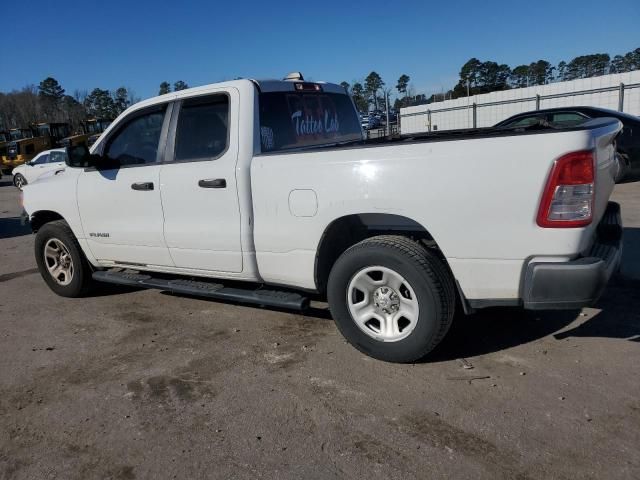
[[266, 85]]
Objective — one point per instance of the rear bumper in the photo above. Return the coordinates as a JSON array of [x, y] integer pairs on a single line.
[[580, 282]]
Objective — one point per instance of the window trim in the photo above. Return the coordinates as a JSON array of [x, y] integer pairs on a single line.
[[170, 148]]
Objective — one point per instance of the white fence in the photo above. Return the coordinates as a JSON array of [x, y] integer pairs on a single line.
[[620, 91]]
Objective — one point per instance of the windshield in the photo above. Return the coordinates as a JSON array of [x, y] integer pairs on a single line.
[[92, 127], [293, 120], [20, 134]]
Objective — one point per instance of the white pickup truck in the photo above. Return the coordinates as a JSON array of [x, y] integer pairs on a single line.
[[270, 183]]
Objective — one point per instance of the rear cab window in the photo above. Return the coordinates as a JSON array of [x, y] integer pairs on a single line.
[[303, 119]]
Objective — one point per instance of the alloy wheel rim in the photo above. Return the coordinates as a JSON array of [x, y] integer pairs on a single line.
[[59, 262], [382, 304]]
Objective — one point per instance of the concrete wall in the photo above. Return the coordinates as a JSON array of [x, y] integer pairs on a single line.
[[518, 100]]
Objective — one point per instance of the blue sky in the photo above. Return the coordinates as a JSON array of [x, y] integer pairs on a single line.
[[139, 43]]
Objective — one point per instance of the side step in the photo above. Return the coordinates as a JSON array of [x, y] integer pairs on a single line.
[[270, 298]]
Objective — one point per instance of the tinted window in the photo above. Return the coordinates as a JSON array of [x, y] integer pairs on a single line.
[[567, 118], [57, 157], [525, 122], [203, 127], [136, 143], [42, 159], [292, 120]]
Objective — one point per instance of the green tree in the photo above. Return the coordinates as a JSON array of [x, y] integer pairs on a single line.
[[100, 104], [562, 71], [586, 66], [345, 85], [359, 97], [540, 72], [51, 89], [165, 87], [180, 85], [372, 84], [520, 76], [401, 86], [120, 101], [50, 94], [492, 76]]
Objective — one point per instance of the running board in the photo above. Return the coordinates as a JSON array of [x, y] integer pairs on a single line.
[[270, 298]]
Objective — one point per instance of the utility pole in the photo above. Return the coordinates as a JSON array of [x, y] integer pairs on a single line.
[[386, 102]]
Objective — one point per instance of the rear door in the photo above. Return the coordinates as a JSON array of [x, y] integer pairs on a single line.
[[56, 161], [198, 184]]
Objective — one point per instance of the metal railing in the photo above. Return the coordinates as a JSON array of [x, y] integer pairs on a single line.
[[537, 98]]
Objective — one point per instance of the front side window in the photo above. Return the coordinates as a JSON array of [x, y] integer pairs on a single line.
[[202, 131], [136, 142], [42, 159], [300, 119]]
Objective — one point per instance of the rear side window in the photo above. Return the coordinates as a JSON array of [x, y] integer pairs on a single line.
[[203, 128], [293, 120], [567, 119], [526, 121], [57, 157], [136, 143]]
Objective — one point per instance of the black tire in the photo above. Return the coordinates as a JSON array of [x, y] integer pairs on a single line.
[[16, 178], [81, 280], [427, 275]]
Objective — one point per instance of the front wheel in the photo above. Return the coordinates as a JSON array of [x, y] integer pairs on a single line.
[[19, 181], [60, 260], [391, 298]]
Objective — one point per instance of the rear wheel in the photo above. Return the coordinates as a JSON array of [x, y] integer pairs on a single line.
[[391, 298], [60, 260], [19, 181]]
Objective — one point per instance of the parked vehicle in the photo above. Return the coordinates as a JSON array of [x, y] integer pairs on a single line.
[[5, 138], [89, 132], [45, 163], [29, 142], [374, 122], [628, 141], [364, 120], [271, 183]]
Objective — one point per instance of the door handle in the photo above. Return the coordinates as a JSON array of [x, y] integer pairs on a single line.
[[142, 186], [213, 183]]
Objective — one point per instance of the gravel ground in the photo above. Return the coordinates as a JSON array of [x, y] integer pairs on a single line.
[[141, 384]]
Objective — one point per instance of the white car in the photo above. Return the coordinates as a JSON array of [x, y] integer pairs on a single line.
[[43, 164], [272, 184]]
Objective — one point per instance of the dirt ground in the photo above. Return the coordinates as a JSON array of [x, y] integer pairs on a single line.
[[140, 384]]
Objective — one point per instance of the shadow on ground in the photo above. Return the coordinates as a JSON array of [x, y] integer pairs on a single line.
[[12, 227]]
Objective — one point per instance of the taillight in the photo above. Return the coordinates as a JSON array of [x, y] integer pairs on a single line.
[[568, 198]]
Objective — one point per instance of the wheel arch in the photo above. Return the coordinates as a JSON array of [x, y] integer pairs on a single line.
[[346, 231], [42, 217]]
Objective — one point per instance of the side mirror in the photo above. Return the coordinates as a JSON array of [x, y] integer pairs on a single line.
[[78, 156]]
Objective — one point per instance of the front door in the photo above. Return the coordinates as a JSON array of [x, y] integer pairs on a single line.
[[198, 185], [119, 202]]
